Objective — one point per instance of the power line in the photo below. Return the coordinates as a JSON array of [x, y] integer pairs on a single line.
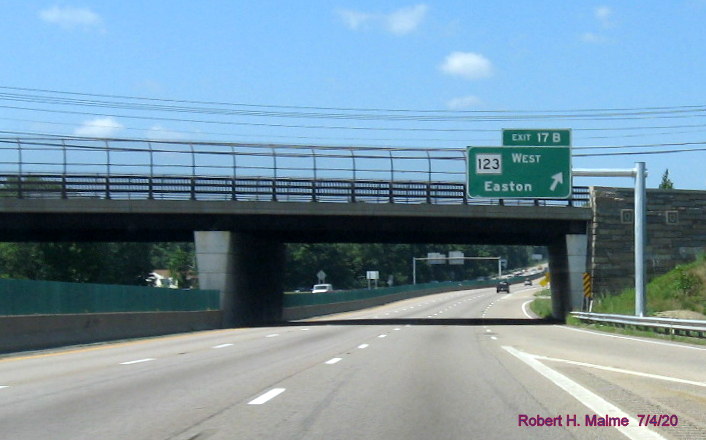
[[42, 138], [680, 108], [65, 103]]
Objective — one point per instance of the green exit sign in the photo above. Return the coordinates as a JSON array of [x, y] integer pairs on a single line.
[[537, 138], [519, 172]]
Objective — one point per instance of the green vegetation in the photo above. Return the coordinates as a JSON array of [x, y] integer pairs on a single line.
[[542, 305], [666, 182], [682, 289], [544, 293], [345, 264], [102, 263]]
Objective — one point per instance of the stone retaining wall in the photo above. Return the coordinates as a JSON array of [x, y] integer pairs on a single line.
[[676, 234]]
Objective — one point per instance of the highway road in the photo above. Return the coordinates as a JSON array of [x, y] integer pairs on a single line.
[[458, 365]]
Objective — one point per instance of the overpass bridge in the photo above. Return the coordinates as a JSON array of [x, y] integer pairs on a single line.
[[241, 203]]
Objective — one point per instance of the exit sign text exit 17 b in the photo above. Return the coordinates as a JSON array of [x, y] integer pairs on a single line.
[[537, 138]]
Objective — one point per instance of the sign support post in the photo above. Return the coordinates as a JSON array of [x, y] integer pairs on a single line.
[[640, 231]]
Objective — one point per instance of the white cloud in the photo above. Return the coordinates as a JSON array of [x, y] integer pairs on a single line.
[[99, 128], [70, 18], [159, 133], [605, 17], [467, 65], [355, 20], [590, 37], [604, 14], [406, 20], [463, 102], [400, 22]]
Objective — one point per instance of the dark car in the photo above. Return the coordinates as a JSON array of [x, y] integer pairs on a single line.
[[503, 286]]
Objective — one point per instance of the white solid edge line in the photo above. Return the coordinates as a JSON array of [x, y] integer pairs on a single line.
[[647, 341], [524, 309], [137, 361], [621, 370], [362, 346], [589, 399], [222, 346], [264, 398], [333, 361]]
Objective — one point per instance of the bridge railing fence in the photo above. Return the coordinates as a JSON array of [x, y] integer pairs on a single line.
[[123, 169]]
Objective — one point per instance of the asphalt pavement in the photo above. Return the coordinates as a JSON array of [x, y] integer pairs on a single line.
[[461, 365]]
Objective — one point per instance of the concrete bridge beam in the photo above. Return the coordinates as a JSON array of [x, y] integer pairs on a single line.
[[567, 264], [247, 269]]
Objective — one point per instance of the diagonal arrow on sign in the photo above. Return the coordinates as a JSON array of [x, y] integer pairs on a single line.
[[556, 179]]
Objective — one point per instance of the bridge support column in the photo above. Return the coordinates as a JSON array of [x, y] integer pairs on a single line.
[[247, 269], [567, 264]]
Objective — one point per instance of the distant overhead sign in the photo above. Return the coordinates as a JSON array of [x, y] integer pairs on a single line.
[[456, 257]]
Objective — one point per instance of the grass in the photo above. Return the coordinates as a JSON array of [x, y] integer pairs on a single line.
[[542, 304], [683, 288]]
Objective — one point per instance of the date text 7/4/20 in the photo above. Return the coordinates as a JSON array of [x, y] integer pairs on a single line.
[[597, 420]]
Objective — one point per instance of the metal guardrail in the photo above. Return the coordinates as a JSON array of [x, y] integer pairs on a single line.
[[75, 155], [127, 187], [683, 327], [74, 167]]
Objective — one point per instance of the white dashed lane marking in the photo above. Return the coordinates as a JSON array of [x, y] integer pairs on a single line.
[[222, 346], [333, 361], [139, 361], [264, 398]]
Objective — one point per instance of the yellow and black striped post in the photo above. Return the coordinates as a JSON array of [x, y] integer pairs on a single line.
[[587, 292]]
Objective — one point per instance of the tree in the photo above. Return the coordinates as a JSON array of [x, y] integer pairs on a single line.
[[666, 181], [104, 263], [345, 264], [21, 260], [181, 264]]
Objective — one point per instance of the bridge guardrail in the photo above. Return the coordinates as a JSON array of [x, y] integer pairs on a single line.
[[685, 327], [76, 167], [133, 187]]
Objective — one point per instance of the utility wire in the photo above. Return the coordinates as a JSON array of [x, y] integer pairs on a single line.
[[699, 108]]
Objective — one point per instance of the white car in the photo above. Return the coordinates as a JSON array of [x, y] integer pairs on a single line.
[[322, 288]]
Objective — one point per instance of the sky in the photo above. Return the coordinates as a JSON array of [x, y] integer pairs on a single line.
[[627, 77]]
